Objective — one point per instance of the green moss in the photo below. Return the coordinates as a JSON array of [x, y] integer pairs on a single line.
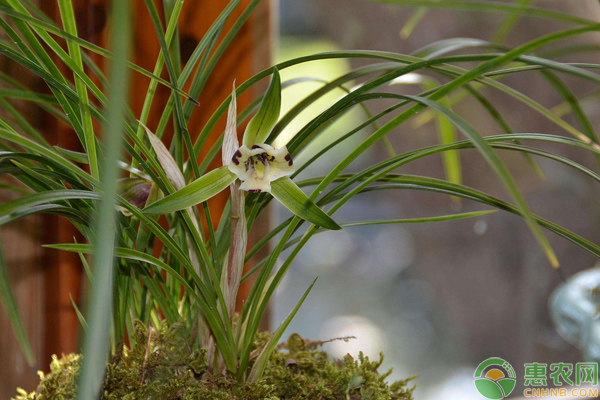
[[59, 384], [162, 366]]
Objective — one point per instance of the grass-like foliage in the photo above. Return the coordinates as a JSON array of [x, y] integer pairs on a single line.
[[186, 270]]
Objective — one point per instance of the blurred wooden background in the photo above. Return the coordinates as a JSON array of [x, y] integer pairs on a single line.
[[43, 280]]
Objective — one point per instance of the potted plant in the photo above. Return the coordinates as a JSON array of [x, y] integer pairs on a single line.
[[164, 276]]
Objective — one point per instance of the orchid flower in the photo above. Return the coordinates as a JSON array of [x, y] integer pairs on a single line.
[[135, 190], [259, 166]]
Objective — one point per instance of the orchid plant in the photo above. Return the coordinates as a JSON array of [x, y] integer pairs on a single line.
[[259, 166], [187, 268]]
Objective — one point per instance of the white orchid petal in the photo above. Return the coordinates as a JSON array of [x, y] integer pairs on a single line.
[[282, 165], [239, 169], [255, 152], [256, 185], [278, 153], [279, 170]]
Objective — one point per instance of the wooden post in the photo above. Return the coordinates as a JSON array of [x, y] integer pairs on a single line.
[[44, 299], [23, 256]]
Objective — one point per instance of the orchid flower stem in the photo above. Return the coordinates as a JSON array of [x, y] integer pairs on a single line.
[[237, 250], [232, 274]]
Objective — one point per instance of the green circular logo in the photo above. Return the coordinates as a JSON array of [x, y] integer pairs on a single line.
[[495, 378]]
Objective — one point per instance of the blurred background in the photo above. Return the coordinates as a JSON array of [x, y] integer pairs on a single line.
[[436, 298]]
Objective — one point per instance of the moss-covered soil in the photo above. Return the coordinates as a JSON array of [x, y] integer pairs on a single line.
[[163, 367]]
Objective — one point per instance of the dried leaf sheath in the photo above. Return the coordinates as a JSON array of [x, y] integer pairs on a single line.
[[232, 274], [178, 180]]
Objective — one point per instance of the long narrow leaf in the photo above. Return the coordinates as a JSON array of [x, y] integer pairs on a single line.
[[294, 199], [68, 18], [260, 126], [196, 192], [502, 172], [263, 358], [492, 6], [96, 344]]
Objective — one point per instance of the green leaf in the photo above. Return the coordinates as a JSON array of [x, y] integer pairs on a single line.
[[144, 233], [48, 154], [196, 192], [445, 46], [492, 6], [446, 134], [68, 19], [578, 112], [54, 30], [172, 24], [441, 218], [80, 316], [100, 306], [200, 80], [173, 74], [452, 164], [73, 155], [263, 122], [9, 303], [21, 205], [294, 199], [261, 362], [412, 22], [498, 166], [509, 23], [436, 185]]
